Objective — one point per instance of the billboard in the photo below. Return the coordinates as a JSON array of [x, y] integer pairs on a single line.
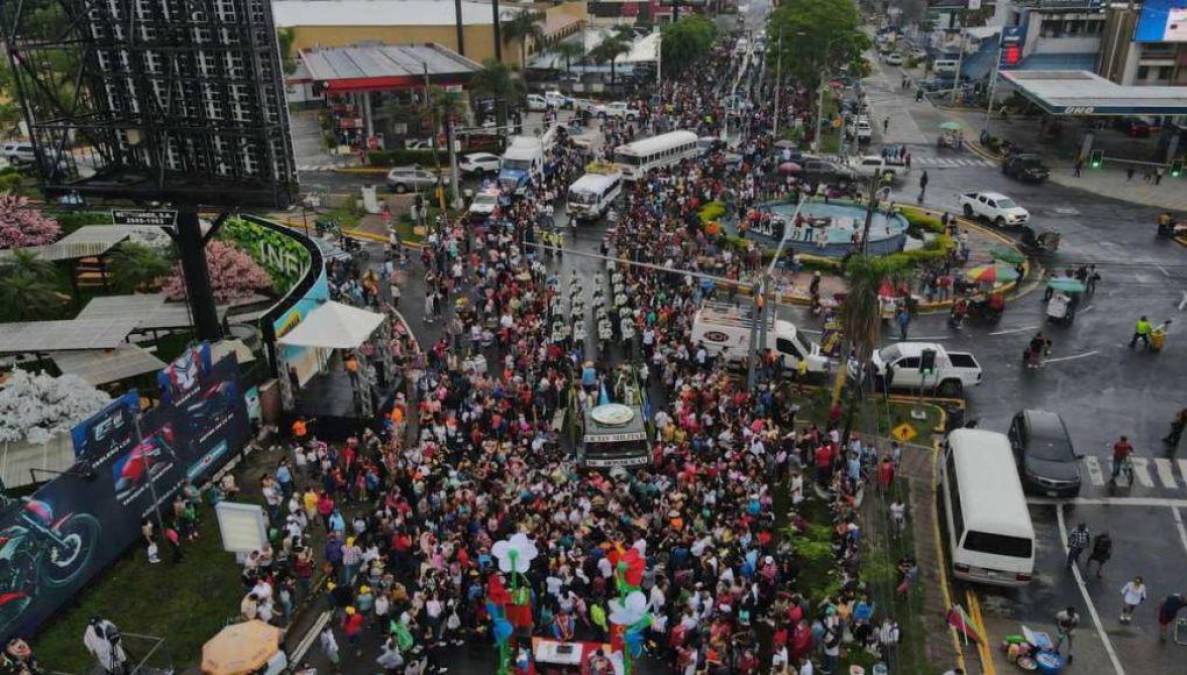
[[180, 379], [111, 429], [1012, 39], [1162, 21], [281, 254], [73, 527]]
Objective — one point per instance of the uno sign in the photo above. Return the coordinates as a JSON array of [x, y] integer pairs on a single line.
[[1079, 110]]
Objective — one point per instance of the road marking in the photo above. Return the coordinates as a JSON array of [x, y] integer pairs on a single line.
[[1179, 525], [1100, 630], [1013, 330], [1141, 471], [1095, 474], [1162, 269], [310, 637], [1183, 469], [1110, 501], [928, 338], [1166, 472], [1072, 357], [1088, 308]]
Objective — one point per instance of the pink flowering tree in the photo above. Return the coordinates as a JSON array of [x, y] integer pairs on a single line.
[[23, 224], [233, 274]]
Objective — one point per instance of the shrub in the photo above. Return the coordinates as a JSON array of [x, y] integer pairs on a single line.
[[73, 220], [934, 250], [918, 218], [23, 223], [405, 157]]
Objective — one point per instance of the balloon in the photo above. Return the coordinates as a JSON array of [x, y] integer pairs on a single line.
[[502, 630]]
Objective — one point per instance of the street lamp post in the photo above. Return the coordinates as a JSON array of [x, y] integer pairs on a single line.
[[778, 83], [959, 57]]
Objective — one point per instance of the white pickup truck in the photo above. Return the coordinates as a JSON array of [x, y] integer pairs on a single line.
[[952, 373], [889, 170], [993, 207]]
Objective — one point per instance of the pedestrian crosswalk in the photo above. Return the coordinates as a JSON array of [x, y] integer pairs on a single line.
[[1162, 473], [949, 162]]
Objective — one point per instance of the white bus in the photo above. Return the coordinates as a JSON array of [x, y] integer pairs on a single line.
[[990, 536], [592, 194], [637, 158]]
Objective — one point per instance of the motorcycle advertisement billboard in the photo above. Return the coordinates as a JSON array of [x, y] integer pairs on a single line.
[[111, 429], [72, 528], [179, 379]]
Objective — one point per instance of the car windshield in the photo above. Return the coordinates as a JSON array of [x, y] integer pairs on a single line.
[[517, 164], [889, 354], [576, 197], [1006, 203]]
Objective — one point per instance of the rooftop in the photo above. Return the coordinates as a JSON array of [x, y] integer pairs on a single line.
[[293, 13], [1080, 92], [384, 66]]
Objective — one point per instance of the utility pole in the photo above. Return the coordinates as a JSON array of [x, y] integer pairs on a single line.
[[778, 83], [494, 8], [819, 116], [762, 303], [997, 62], [461, 37], [959, 56]]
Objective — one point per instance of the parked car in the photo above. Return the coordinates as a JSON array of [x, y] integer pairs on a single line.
[[556, 99], [894, 59], [994, 207], [953, 371], [483, 204], [404, 178], [620, 109], [19, 152], [478, 163], [1134, 127], [1047, 461], [537, 103], [418, 144], [1025, 167], [819, 167]]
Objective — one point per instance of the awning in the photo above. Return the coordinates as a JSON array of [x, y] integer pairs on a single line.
[[379, 67], [109, 365], [150, 311], [1080, 92], [54, 336], [333, 326], [223, 347]]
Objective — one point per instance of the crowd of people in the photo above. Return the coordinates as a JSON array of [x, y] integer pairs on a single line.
[[410, 512]]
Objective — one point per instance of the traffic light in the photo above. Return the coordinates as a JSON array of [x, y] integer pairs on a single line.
[[927, 361], [1096, 158], [1177, 168]]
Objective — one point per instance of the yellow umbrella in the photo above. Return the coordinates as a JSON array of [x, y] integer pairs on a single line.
[[240, 648]]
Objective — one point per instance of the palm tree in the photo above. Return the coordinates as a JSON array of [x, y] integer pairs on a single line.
[[570, 51], [525, 26], [29, 288], [136, 266], [860, 316], [608, 52], [442, 107], [498, 81]]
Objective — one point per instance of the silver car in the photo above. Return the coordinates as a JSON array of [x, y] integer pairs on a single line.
[[404, 178]]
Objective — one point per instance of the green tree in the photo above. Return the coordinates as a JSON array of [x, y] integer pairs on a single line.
[[860, 316], [29, 288], [569, 51], [135, 267], [525, 26], [685, 42], [608, 52], [819, 37], [498, 81], [284, 39]]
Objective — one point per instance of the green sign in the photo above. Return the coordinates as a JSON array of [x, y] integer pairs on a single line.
[[284, 258]]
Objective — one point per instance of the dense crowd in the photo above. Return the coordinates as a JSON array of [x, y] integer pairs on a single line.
[[471, 453]]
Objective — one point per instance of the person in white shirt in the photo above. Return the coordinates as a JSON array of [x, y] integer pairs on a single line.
[[1133, 594]]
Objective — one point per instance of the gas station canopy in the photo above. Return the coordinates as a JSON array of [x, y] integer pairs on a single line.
[[1080, 92]]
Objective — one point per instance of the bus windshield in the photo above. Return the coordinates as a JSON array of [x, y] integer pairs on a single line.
[[517, 164], [578, 197], [630, 160]]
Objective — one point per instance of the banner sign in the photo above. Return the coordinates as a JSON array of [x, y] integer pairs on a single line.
[[179, 379], [1162, 21], [282, 255], [76, 525], [112, 429]]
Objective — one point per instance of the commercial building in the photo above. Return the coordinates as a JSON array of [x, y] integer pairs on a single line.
[[344, 23]]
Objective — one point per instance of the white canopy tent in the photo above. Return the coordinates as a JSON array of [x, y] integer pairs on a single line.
[[333, 326]]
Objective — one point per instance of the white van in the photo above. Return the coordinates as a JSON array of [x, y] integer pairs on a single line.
[[990, 536], [591, 195], [945, 66], [724, 330]]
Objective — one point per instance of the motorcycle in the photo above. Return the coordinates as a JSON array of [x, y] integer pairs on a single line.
[[983, 313], [41, 550]]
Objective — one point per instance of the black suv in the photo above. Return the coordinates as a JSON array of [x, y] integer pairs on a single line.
[[1047, 462], [1027, 168]]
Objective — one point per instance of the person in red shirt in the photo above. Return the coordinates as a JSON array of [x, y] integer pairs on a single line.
[[352, 625], [824, 464], [1121, 451]]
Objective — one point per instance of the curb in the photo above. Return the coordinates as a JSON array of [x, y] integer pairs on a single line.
[[353, 234], [940, 557], [361, 170]]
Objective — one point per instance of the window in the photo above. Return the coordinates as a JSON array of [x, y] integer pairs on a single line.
[[1143, 72], [785, 346], [1165, 72], [997, 544], [909, 363], [954, 497]]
